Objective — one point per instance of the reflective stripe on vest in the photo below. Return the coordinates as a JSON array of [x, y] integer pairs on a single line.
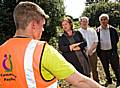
[[28, 60], [28, 65], [24, 58]]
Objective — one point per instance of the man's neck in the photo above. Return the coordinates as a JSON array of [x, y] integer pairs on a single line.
[[85, 28], [104, 26], [21, 33]]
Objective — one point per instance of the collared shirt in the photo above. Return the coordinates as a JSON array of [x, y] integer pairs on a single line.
[[105, 40], [90, 35]]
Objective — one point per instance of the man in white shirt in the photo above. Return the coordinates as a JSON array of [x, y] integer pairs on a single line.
[[92, 40]]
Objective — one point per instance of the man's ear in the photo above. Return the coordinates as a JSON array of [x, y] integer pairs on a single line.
[[33, 25]]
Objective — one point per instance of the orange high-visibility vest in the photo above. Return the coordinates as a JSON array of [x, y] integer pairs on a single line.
[[20, 64]]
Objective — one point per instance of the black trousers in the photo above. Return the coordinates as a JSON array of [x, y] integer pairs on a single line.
[[110, 57]]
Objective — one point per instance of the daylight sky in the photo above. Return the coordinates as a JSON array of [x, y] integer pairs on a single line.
[[74, 7]]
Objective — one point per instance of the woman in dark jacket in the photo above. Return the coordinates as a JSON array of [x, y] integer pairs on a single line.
[[72, 46]]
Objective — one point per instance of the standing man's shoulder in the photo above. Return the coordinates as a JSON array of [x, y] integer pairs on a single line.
[[91, 29], [98, 29], [111, 27], [79, 29]]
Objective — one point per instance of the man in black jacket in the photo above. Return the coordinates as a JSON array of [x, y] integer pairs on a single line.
[[107, 48]]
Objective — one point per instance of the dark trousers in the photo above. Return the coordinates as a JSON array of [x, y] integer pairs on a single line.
[[110, 57]]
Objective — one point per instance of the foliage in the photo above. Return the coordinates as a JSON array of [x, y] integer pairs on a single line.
[[54, 8], [88, 2], [76, 24], [93, 11], [6, 19]]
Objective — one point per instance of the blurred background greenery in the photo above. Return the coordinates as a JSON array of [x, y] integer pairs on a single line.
[[56, 11]]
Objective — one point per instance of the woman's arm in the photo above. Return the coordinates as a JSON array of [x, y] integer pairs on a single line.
[[83, 44]]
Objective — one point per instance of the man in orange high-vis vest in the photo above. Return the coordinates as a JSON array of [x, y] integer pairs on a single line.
[[26, 62]]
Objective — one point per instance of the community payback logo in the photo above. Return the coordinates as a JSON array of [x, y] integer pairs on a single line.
[[8, 67], [7, 57]]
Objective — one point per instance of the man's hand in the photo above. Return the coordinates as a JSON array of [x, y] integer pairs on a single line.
[[76, 48], [90, 52]]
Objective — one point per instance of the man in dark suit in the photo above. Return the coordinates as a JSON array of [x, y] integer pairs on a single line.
[[107, 48]]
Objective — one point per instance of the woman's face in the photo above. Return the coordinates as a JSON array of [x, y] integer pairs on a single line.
[[66, 26]]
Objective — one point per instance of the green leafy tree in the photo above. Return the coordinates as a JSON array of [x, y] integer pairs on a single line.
[[6, 19], [95, 10], [54, 8], [88, 2]]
